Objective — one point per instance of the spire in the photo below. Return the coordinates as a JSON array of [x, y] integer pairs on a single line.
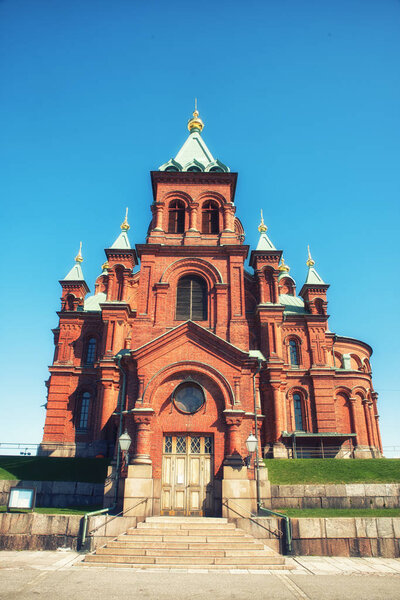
[[283, 267], [195, 124], [122, 241], [264, 243], [76, 273], [194, 154], [312, 276]]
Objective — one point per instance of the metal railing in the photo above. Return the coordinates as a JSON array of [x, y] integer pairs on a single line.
[[86, 534], [288, 524]]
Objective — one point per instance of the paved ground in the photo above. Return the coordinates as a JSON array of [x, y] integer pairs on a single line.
[[59, 575]]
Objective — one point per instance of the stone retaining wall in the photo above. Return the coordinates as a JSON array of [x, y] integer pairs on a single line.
[[33, 531], [350, 536], [349, 495], [57, 493]]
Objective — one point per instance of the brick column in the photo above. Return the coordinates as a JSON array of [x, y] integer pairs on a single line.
[[108, 404], [142, 418], [193, 216], [365, 403], [353, 414], [233, 419], [278, 426]]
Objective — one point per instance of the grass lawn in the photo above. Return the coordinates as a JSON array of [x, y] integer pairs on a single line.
[[339, 512], [74, 510], [333, 470], [44, 468]]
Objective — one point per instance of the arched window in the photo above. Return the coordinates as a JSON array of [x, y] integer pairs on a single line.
[[91, 351], [191, 299], [119, 272], [69, 305], [194, 169], [294, 354], [298, 413], [176, 217], [84, 411], [319, 305], [210, 217], [216, 170]]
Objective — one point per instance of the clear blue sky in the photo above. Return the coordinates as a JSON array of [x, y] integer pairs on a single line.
[[300, 97]]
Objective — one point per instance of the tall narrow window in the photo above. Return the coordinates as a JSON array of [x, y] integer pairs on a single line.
[[119, 272], [191, 299], [294, 355], [84, 414], [210, 217], [91, 351], [176, 217], [298, 414]]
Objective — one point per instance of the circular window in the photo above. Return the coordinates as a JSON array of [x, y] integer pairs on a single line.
[[188, 397]]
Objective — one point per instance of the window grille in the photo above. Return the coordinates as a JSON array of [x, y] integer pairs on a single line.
[[298, 413], [195, 445], [191, 299], [91, 351], [180, 444], [84, 414], [294, 353], [210, 218], [176, 217], [208, 445], [168, 444]]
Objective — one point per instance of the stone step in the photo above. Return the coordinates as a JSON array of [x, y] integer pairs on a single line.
[[179, 553], [183, 532], [178, 538], [184, 526], [167, 568], [250, 545], [191, 520], [237, 562]]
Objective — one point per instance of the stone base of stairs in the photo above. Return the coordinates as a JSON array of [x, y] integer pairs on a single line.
[[188, 543]]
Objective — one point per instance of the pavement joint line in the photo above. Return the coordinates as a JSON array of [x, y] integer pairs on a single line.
[[303, 566], [292, 587]]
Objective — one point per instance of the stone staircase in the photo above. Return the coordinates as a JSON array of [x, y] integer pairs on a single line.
[[188, 543]]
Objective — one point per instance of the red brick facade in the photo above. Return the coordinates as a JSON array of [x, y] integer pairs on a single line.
[[313, 392]]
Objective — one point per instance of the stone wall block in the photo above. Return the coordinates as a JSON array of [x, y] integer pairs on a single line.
[[47, 487], [355, 489], [385, 527], [335, 490], [291, 491], [20, 523], [387, 548], [311, 502], [340, 528], [311, 528], [359, 502], [5, 521], [375, 489], [332, 502], [396, 527], [314, 490], [73, 525], [366, 527], [64, 487], [274, 491]]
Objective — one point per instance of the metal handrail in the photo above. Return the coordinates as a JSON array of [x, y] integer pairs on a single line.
[[287, 521], [275, 532], [86, 533]]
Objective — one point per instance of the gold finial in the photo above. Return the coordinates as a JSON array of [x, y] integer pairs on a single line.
[[310, 262], [79, 257], [125, 225], [283, 267], [262, 228], [105, 266], [195, 124]]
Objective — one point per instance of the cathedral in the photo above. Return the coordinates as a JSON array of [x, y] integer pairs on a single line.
[[193, 352]]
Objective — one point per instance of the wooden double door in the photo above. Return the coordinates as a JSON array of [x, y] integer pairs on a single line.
[[187, 475]]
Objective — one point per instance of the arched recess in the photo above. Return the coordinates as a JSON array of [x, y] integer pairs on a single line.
[[298, 409], [355, 362], [344, 421], [338, 360], [270, 285], [192, 265], [211, 195], [195, 367], [287, 286], [292, 344]]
